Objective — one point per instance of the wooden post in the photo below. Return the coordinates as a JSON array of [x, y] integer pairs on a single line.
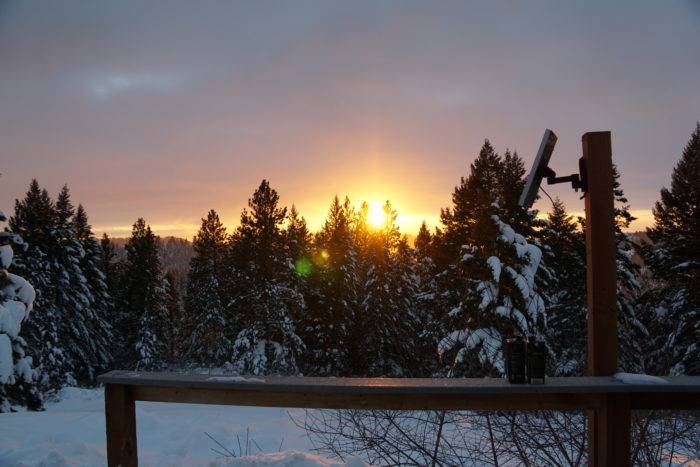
[[600, 255], [608, 427], [120, 412]]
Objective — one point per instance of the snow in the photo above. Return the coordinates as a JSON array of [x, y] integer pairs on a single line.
[[290, 458], [12, 313], [6, 367], [635, 378], [495, 265], [236, 379], [72, 432], [5, 256], [20, 289]]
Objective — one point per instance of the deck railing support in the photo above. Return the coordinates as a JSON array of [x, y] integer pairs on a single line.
[[608, 427], [120, 414]]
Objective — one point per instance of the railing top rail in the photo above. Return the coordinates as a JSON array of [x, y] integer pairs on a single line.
[[414, 386]]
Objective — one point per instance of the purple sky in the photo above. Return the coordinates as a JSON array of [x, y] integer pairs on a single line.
[[167, 109]]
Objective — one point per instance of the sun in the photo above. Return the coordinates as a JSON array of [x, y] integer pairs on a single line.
[[375, 214]]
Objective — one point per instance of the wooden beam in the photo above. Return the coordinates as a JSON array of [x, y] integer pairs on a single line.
[[600, 255], [120, 414], [417, 401], [608, 400], [609, 432]]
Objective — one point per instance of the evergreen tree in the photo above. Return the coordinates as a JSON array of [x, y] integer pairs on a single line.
[[426, 301], [100, 301], [297, 239], [68, 331], [174, 318], [206, 311], [18, 380], [108, 264], [382, 330], [480, 189], [265, 303], [632, 332], [498, 297], [34, 221], [142, 302], [332, 298], [565, 295], [675, 260], [487, 285]]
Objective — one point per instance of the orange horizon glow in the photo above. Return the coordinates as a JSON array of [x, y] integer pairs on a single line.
[[409, 223]]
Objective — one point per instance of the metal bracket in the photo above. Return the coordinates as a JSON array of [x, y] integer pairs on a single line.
[[578, 181]]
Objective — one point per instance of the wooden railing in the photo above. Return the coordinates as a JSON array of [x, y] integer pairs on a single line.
[[606, 398]]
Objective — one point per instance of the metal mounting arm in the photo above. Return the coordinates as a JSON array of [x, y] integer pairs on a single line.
[[578, 181]]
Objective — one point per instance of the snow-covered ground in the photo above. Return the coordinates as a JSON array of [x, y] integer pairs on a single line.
[[71, 432]]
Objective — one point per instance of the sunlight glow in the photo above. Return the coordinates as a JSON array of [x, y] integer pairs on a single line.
[[376, 216]]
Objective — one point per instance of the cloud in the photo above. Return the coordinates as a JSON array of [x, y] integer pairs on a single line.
[[106, 85]]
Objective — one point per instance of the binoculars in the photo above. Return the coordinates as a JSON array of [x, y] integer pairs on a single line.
[[525, 360]]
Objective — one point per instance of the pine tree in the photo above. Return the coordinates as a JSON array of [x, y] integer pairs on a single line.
[[565, 294], [332, 298], [480, 189], [209, 337], [35, 222], [383, 328], [18, 380], [174, 318], [297, 240], [487, 285], [632, 332], [498, 297], [99, 302], [265, 303], [108, 264], [426, 301], [142, 302], [675, 260]]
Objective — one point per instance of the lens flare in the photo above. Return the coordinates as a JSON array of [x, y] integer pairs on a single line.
[[303, 267]]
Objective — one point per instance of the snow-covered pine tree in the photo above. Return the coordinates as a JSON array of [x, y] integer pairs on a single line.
[[34, 220], [487, 287], [142, 302], [383, 330], [675, 261], [632, 332], [332, 297], [499, 297], [565, 294], [100, 304], [425, 300], [265, 303], [413, 353], [206, 312], [18, 380]]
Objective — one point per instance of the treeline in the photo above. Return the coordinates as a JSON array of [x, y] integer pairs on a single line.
[[352, 299]]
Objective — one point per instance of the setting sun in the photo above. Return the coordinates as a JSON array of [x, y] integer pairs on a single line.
[[375, 214]]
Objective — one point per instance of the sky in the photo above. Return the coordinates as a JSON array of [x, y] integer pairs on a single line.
[[164, 110]]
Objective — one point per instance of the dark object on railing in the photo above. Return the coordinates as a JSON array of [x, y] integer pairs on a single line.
[[536, 360], [515, 360]]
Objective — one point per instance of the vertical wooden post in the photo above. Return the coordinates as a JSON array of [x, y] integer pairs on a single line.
[[600, 255], [609, 426], [120, 412]]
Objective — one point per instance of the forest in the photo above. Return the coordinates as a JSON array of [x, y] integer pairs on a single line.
[[353, 299]]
